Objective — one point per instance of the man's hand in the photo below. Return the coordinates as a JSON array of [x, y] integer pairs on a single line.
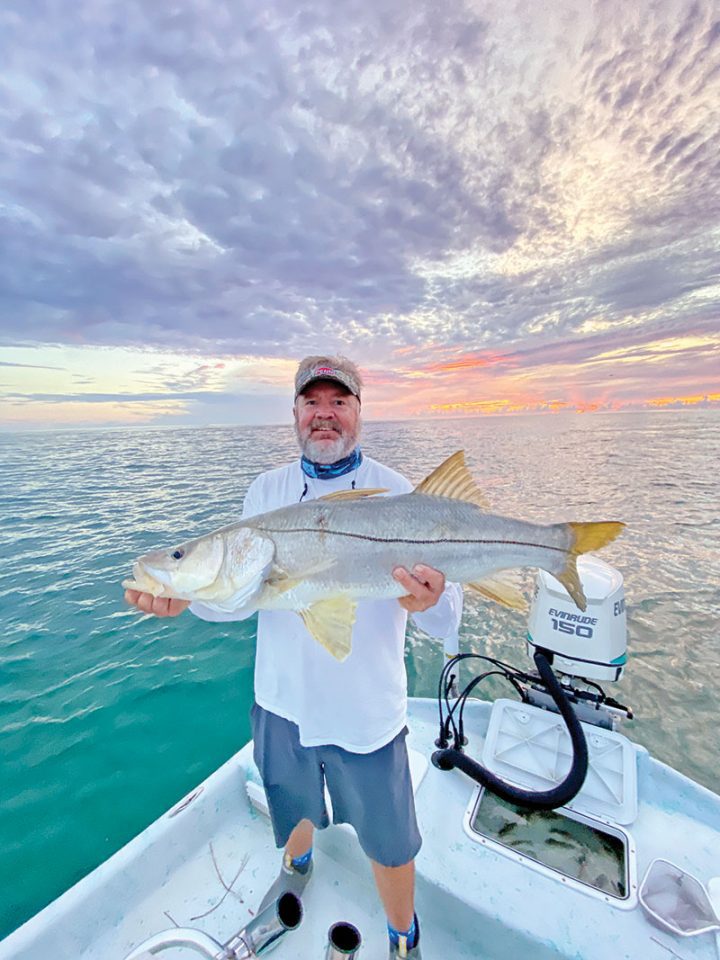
[[424, 587], [160, 606]]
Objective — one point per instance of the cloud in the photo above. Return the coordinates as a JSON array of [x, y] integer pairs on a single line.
[[206, 396], [28, 366], [268, 180]]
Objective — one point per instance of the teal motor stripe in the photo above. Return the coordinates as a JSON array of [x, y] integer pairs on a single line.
[[617, 662]]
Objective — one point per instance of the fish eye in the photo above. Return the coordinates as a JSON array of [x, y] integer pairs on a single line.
[[177, 554]]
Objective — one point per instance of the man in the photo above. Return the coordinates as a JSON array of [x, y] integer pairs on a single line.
[[316, 720]]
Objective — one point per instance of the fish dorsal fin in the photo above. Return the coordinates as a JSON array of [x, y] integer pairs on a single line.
[[452, 479], [500, 591], [330, 622], [354, 494]]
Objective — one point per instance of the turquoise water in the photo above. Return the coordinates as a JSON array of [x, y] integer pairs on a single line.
[[108, 717]]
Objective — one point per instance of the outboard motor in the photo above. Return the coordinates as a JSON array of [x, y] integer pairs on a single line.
[[583, 646], [344, 942], [262, 932], [590, 644]]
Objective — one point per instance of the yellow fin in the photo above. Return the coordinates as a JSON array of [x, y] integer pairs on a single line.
[[593, 536], [586, 536], [353, 494], [500, 591], [330, 622], [571, 581], [452, 479]]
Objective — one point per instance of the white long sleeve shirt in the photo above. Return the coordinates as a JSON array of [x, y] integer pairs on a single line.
[[361, 703]]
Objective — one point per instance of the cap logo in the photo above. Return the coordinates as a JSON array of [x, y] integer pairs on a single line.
[[326, 371]]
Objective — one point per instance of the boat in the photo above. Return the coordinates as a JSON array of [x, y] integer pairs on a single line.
[[621, 860]]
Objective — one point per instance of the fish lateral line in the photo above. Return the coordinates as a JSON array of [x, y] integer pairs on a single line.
[[364, 536]]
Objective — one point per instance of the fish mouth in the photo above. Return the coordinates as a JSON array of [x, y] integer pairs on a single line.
[[144, 569], [164, 576], [146, 580]]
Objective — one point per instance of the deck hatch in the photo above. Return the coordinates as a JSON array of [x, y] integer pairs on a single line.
[[589, 854], [531, 747]]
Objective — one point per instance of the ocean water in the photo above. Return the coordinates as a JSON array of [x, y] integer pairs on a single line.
[[107, 717]]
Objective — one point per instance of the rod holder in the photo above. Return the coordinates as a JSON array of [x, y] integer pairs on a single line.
[[267, 927], [344, 942]]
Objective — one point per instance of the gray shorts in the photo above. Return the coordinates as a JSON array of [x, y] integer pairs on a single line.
[[371, 791]]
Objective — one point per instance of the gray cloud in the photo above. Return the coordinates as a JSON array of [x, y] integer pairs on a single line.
[[258, 178], [28, 366], [205, 396]]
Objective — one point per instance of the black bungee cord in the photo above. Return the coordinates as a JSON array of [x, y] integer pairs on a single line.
[[447, 758]]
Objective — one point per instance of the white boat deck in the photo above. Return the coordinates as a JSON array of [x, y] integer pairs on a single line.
[[473, 901]]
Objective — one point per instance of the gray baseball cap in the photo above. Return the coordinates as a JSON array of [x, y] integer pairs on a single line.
[[340, 369]]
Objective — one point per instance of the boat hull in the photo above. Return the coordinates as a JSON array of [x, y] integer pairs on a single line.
[[474, 901]]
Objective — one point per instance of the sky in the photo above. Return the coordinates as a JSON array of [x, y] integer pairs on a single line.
[[493, 207]]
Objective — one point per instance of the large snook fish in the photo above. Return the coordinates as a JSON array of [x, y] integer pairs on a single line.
[[319, 558]]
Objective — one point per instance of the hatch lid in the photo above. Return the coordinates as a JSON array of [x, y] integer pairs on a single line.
[[532, 749]]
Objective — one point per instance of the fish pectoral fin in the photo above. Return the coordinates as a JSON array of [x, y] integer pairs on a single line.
[[354, 494], [279, 579], [500, 591], [281, 585], [452, 479], [330, 622], [281, 582]]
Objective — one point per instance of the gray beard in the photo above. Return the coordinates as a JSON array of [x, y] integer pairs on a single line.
[[322, 452]]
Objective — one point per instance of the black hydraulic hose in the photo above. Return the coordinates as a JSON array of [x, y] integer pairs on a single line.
[[559, 795]]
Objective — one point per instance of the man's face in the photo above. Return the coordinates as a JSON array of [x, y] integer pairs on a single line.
[[327, 422]]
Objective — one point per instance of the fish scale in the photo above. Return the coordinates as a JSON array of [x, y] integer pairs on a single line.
[[363, 541], [320, 558]]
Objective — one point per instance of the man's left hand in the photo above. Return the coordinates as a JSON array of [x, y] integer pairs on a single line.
[[424, 587]]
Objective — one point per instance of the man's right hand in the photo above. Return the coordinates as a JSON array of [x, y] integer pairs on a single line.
[[160, 606]]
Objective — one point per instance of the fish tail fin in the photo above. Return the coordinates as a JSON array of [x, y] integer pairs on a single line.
[[593, 536], [585, 537], [571, 581]]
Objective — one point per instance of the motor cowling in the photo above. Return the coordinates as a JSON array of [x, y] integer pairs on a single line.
[[589, 644]]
